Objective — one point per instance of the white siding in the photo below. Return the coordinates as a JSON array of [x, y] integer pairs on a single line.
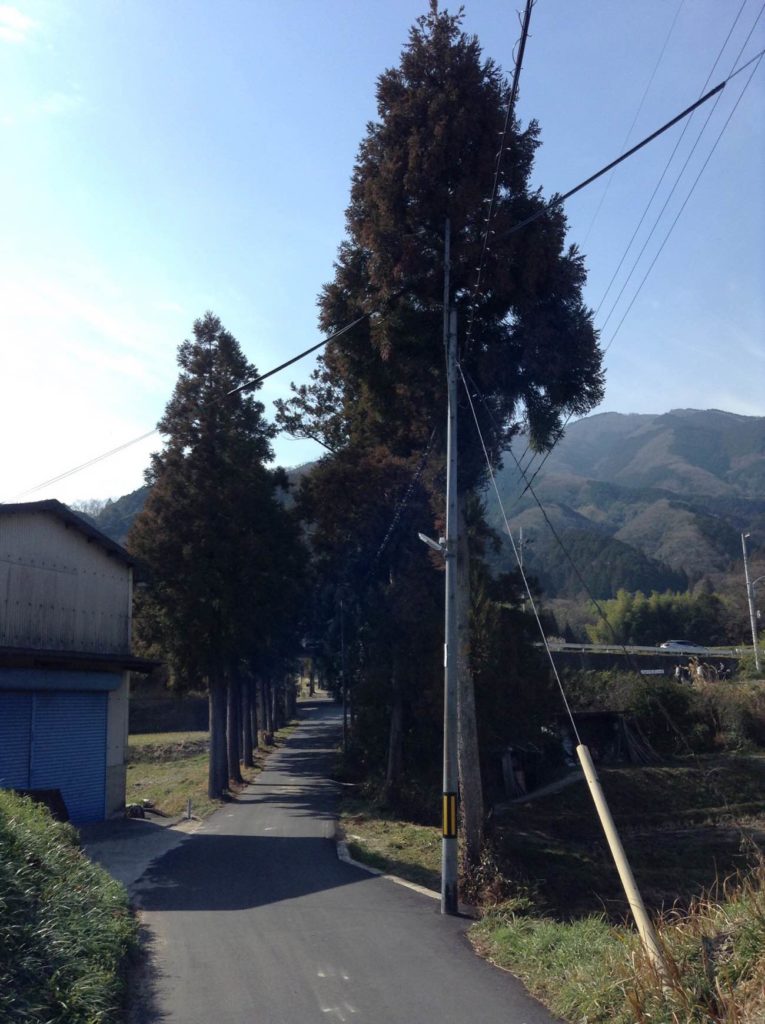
[[59, 590]]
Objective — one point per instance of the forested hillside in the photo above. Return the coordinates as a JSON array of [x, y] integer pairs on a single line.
[[640, 502]]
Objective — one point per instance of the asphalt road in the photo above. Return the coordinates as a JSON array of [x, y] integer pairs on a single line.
[[254, 920]]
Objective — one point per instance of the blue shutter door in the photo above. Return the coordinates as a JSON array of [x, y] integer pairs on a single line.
[[69, 751], [15, 729]]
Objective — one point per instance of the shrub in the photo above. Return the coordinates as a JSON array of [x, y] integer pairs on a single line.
[[676, 718]]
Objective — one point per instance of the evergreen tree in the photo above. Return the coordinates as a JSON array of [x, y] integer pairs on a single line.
[[205, 530], [527, 340]]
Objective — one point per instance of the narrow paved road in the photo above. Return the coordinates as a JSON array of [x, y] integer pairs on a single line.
[[255, 921]]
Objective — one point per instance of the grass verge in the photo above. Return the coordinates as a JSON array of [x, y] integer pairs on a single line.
[[66, 932], [397, 847]]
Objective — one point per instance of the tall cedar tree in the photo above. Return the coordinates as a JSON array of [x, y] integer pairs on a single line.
[[205, 530], [533, 352]]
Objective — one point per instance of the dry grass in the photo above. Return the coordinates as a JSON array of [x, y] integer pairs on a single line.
[[168, 769]]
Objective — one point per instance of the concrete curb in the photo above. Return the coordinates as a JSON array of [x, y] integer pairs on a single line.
[[344, 855]]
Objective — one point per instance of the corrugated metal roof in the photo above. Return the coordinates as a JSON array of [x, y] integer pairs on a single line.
[[57, 508]]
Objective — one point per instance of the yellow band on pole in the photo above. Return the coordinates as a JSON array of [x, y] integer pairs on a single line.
[[450, 815]]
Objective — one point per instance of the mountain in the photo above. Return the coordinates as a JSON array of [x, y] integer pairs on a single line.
[[649, 502], [116, 517], [641, 502]]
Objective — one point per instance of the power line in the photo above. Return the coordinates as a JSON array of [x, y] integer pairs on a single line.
[[552, 204], [559, 200], [532, 602], [755, 63], [402, 504], [83, 465], [637, 115], [512, 99], [676, 182], [337, 334], [685, 201], [250, 384]]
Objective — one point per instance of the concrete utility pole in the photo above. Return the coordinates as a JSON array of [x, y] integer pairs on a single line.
[[750, 599], [343, 680], [449, 880]]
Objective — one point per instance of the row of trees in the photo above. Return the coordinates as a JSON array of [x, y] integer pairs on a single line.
[[377, 400], [226, 564], [648, 620], [227, 561]]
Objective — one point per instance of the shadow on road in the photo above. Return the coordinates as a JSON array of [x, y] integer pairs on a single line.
[[227, 870], [235, 872]]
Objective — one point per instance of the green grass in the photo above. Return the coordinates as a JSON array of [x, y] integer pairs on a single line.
[[396, 847], [65, 929]]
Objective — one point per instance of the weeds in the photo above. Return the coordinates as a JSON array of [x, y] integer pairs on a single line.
[[594, 972]]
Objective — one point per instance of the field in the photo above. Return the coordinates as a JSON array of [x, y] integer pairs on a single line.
[[169, 769]]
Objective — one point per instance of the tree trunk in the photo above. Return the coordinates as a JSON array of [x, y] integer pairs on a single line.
[[471, 792], [290, 688], [395, 738], [268, 710], [217, 776], [254, 712], [233, 729], [277, 713], [247, 734]]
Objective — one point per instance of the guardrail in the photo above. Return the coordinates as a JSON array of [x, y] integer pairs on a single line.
[[723, 652]]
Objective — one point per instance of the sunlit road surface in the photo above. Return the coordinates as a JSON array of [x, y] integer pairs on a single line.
[[254, 919]]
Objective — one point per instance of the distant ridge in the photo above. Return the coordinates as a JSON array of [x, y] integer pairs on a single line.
[[642, 501], [645, 501]]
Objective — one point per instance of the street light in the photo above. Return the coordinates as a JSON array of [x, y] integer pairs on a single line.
[[750, 598]]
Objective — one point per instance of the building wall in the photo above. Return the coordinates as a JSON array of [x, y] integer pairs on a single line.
[[116, 746], [60, 591]]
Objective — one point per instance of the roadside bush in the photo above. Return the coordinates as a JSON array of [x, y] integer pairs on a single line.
[[676, 718], [737, 711], [65, 928]]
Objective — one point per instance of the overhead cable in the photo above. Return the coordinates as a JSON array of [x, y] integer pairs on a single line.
[[559, 200], [631, 128], [518, 559], [754, 63], [242, 387], [675, 184], [509, 114]]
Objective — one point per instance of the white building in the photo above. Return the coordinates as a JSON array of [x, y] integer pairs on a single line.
[[65, 618]]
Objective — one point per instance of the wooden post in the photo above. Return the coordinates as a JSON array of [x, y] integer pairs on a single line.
[[642, 920]]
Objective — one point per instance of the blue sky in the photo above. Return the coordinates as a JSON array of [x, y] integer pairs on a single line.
[[164, 158]]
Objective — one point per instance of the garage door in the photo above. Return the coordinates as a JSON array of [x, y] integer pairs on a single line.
[[63, 736], [15, 739]]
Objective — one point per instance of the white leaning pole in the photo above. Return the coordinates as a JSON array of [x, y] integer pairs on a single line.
[[645, 928], [750, 601]]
